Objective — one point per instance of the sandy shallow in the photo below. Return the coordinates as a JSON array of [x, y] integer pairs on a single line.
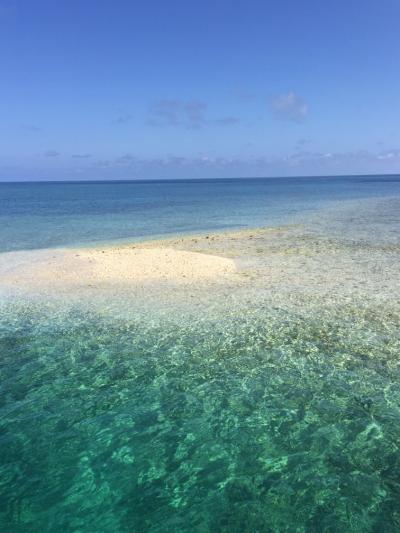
[[109, 265], [259, 368], [229, 273]]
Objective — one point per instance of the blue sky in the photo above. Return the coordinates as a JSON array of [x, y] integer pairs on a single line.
[[102, 89]]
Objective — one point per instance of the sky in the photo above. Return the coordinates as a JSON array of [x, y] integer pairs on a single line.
[[121, 89]]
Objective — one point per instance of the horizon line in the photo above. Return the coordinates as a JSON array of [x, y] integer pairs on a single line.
[[172, 180]]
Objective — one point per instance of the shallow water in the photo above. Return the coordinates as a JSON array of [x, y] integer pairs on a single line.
[[268, 409], [267, 422], [42, 215]]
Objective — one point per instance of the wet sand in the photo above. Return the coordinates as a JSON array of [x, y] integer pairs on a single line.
[[287, 266]]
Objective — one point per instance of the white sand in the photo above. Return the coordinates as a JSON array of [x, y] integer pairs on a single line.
[[125, 264]]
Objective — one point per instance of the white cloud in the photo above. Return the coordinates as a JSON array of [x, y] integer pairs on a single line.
[[290, 106], [391, 154]]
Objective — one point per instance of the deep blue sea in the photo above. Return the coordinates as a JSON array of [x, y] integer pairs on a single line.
[[267, 410], [42, 215]]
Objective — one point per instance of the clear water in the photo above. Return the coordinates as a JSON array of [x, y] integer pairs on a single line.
[[266, 418], [41, 215], [266, 423]]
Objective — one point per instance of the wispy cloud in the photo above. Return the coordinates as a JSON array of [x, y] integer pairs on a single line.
[[123, 118], [195, 114], [102, 163], [244, 95], [29, 127], [190, 114], [389, 154], [357, 161], [208, 165], [290, 106], [126, 159], [51, 153], [226, 121], [304, 142], [295, 164], [81, 156]]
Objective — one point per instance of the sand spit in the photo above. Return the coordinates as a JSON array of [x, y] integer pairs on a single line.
[[285, 267], [109, 265]]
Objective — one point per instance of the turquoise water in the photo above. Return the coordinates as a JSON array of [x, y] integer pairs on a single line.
[[265, 423], [41, 215], [272, 416]]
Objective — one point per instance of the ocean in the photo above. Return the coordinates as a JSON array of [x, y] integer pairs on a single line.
[[54, 214], [273, 406]]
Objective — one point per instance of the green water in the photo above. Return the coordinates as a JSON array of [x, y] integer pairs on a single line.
[[264, 422]]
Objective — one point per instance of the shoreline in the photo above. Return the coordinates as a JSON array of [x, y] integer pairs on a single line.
[[288, 265], [191, 256], [149, 240]]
